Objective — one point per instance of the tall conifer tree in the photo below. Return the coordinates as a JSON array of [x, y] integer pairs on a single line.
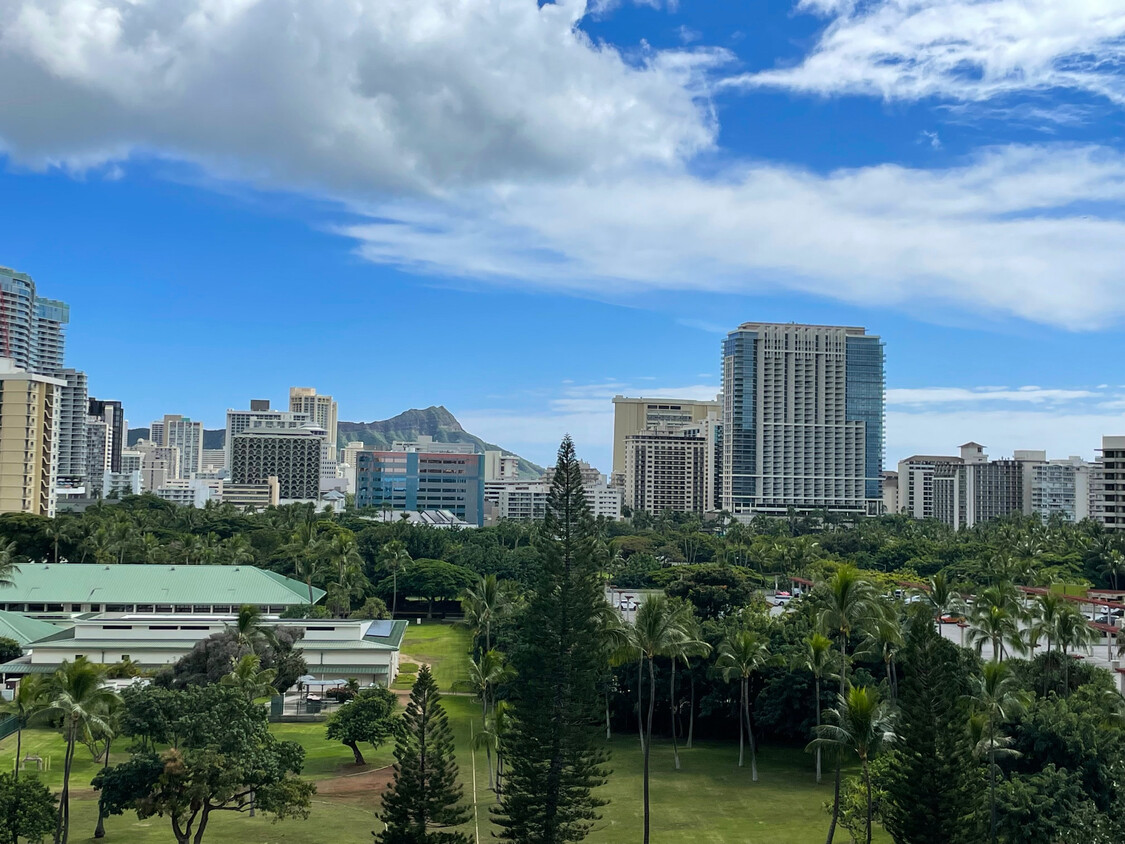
[[554, 758], [424, 798], [928, 794]]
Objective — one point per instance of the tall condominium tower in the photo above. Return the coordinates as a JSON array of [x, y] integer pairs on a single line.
[[321, 411], [112, 413], [180, 432], [803, 409], [32, 329], [73, 401], [28, 440]]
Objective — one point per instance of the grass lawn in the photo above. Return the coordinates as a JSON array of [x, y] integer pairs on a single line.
[[444, 646], [709, 800]]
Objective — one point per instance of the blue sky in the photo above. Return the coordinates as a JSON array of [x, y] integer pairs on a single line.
[[518, 210]]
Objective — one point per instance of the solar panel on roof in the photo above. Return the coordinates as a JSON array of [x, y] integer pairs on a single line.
[[380, 628]]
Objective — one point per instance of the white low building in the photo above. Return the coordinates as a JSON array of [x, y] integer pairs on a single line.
[[332, 648]]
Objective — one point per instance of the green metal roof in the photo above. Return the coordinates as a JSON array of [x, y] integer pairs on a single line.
[[24, 629], [73, 583], [338, 670], [393, 638]]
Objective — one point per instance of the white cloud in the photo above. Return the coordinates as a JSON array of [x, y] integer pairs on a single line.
[[919, 396], [963, 50], [352, 98], [998, 236], [1002, 431]]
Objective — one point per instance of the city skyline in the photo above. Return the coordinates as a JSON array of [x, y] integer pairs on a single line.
[[734, 167]]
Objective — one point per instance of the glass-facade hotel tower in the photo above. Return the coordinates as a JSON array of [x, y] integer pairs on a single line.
[[803, 411]]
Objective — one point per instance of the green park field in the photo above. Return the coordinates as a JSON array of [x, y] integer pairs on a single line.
[[709, 800]]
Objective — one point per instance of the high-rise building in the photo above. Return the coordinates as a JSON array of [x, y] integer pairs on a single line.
[[916, 483], [28, 440], [182, 433], [413, 477], [98, 442], [112, 413], [803, 411], [291, 456], [260, 416], [73, 407], [666, 470], [891, 500], [156, 431], [1111, 484], [32, 329], [499, 466], [634, 415], [321, 411], [1059, 488]]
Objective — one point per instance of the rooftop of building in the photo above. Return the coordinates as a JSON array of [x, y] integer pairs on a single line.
[[932, 458], [78, 583], [849, 329], [21, 628]]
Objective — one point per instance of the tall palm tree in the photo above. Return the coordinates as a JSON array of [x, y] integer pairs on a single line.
[[1113, 565], [742, 653], [997, 698], [861, 724], [340, 556], [492, 740], [692, 645], [816, 659], [25, 702], [394, 557], [8, 566], [304, 547], [77, 696], [486, 672], [112, 720], [850, 602], [1045, 612], [658, 630], [1072, 631], [995, 620], [881, 641], [484, 603]]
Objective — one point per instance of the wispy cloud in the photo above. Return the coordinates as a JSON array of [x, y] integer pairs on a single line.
[[924, 396], [960, 50]]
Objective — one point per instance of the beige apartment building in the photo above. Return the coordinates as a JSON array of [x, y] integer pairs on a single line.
[[637, 415], [28, 440]]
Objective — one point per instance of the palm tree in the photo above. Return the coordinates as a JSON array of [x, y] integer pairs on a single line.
[[249, 631], [1072, 631], [1113, 565], [77, 696], [491, 738], [658, 630], [394, 557], [691, 646], [1047, 609], [341, 556], [484, 603], [861, 724], [8, 565], [742, 653], [995, 619], [26, 701], [997, 698], [250, 678], [112, 719], [940, 597], [882, 640], [486, 673], [851, 602], [56, 530], [304, 546], [816, 660]]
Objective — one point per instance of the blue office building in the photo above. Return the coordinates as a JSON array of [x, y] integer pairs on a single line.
[[803, 418], [412, 479]]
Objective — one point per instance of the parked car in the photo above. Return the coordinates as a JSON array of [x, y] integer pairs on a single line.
[[952, 619]]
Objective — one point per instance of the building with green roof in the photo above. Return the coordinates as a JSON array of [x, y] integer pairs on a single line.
[[73, 588], [24, 629]]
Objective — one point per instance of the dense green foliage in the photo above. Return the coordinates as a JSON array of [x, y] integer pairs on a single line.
[[220, 756], [27, 810], [367, 718]]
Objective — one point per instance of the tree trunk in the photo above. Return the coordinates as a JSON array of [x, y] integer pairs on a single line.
[[430, 609], [608, 732], [672, 705], [203, 825], [816, 680], [491, 778], [750, 732], [308, 583], [741, 723], [394, 591], [867, 785], [648, 739], [99, 830], [359, 760], [691, 714], [62, 827], [835, 804], [991, 783], [19, 752], [640, 705]]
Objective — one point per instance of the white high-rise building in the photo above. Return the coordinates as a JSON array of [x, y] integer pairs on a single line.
[[73, 401], [182, 433], [261, 416], [803, 415], [321, 411], [32, 329], [666, 470]]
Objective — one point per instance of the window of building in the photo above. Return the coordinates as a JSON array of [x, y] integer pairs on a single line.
[[117, 627]]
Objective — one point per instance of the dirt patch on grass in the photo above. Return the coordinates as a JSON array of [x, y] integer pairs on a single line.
[[358, 785]]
